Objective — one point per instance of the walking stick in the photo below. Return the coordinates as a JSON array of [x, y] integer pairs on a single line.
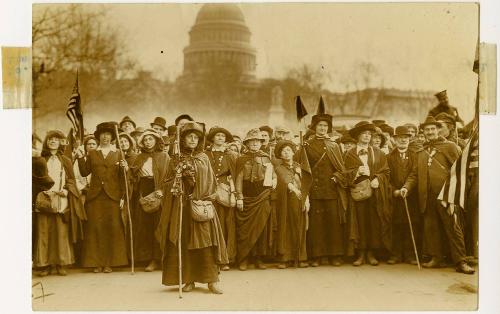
[[411, 231], [127, 202], [301, 217], [179, 239]]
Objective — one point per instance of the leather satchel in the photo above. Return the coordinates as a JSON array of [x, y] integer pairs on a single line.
[[225, 196], [202, 210], [150, 203], [362, 190], [49, 202]]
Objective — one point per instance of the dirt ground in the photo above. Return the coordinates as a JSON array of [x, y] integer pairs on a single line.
[[385, 287]]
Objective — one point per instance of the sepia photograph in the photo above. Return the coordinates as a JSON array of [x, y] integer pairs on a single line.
[[255, 156]]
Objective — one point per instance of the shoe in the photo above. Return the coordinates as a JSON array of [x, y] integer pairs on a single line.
[[260, 265], [433, 263], [393, 260], [152, 266], [212, 286], [411, 261], [303, 265], [225, 267], [337, 261], [281, 266], [464, 268], [188, 287], [44, 272], [315, 262], [107, 270], [371, 259], [61, 271], [243, 265], [360, 261], [97, 270]]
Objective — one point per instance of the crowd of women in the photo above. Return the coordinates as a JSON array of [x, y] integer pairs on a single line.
[[267, 199]]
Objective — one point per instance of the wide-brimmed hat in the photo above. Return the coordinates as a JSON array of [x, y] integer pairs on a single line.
[[322, 117], [127, 119], [430, 120], [346, 138], [361, 127], [281, 129], [268, 129], [253, 134], [386, 128], [216, 129], [378, 122], [192, 127], [129, 138], [402, 130], [106, 127], [183, 116], [442, 97], [159, 121], [151, 132], [138, 131], [446, 118], [411, 126], [281, 145], [55, 133]]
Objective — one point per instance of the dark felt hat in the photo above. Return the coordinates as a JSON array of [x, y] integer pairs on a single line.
[[127, 119], [402, 130], [216, 129], [160, 122], [361, 127], [172, 130], [268, 129], [430, 120], [346, 138], [386, 128], [411, 126], [106, 127], [378, 122], [446, 118], [322, 117], [183, 116], [138, 131], [55, 133], [281, 145]]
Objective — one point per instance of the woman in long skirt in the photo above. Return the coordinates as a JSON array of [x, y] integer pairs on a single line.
[[203, 249]]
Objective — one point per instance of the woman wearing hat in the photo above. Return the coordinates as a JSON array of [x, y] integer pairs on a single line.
[[56, 232], [379, 140], [104, 245], [82, 183], [223, 163], [148, 171], [292, 206], [325, 236], [372, 215], [254, 180], [127, 125], [127, 145], [202, 242]]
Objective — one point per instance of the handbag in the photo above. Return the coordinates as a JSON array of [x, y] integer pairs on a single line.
[[150, 203], [362, 190], [225, 195], [202, 210], [49, 202]]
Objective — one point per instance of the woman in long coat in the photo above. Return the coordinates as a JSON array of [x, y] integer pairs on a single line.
[[104, 245], [223, 163], [57, 232], [190, 177], [149, 171]]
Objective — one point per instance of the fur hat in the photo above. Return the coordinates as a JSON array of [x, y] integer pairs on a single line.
[[321, 117], [106, 127]]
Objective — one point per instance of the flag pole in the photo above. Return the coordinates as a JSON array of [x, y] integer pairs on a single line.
[[181, 192], [127, 202]]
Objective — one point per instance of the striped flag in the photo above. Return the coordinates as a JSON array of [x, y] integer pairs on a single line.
[[74, 112], [453, 191]]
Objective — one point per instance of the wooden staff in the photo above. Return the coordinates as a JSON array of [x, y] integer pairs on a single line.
[[127, 202], [179, 239], [411, 231]]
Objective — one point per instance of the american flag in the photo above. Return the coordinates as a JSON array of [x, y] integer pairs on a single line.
[[74, 112]]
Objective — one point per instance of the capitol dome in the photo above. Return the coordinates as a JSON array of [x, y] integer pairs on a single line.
[[219, 38]]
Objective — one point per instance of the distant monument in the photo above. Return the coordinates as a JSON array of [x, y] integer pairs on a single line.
[[277, 114]]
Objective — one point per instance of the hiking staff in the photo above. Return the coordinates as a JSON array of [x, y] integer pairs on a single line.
[[181, 192], [127, 202], [411, 232], [301, 113]]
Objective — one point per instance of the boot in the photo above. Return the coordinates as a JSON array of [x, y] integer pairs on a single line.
[[281, 266], [61, 271], [259, 264], [107, 270], [43, 272], [152, 266], [435, 262], [303, 264], [371, 258], [336, 261], [213, 286], [225, 267], [360, 260], [97, 270], [464, 268], [315, 262], [243, 265], [393, 260], [188, 287]]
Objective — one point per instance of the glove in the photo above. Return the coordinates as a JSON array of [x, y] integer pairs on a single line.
[[239, 204]]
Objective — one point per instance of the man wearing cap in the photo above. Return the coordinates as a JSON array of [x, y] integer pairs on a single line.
[[268, 144], [415, 143], [328, 199], [448, 129], [281, 133], [444, 106], [183, 119], [223, 163], [159, 125], [402, 163], [347, 143], [372, 216], [433, 168], [127, 125], [255, 178]]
